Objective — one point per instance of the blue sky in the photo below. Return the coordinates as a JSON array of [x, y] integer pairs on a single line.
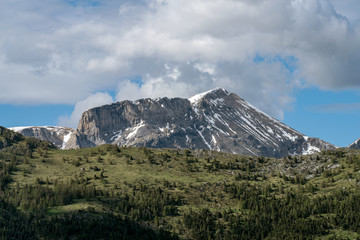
[[331, 116], [296, 60]]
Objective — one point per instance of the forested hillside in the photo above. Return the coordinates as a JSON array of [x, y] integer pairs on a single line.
[[7, 137], [110, 192]]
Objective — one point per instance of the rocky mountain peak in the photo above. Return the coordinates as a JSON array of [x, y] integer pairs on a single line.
[[216, 120], [217, 93], [355, 145]]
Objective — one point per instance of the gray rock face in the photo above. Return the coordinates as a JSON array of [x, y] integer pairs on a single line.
[[216, 120], [355, 145], [56, 135]]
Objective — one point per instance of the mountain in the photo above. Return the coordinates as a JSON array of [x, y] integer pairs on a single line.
[[56, 135], [355, 145], [216, 120]]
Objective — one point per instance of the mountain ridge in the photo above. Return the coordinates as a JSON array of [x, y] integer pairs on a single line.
[[355, 145], [58, 136], [216, 120]]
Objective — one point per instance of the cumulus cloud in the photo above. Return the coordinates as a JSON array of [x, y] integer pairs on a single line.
[[262, 50], [93, 100]]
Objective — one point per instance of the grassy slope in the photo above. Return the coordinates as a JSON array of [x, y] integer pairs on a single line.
[[195, 176]]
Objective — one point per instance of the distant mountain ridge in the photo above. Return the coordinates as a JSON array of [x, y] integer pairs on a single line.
[[216, 120], [58, 136]]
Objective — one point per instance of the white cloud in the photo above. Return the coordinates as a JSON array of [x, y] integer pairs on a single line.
[[60, 53], [109, 63], [93, 100], [252, 81]]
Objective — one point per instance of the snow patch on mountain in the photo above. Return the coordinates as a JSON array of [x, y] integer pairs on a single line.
[[19, 129], [203, 138], [65, 140], [310, 150], [116, 135], [196, 98], [135, 129]]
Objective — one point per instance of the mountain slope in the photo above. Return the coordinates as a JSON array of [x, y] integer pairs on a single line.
[[56, 135], [216, 120], [355, 145], [87, 193]]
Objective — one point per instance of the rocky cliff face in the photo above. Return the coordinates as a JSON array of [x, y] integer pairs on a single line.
[[216, 120], [59, 136], [355, 145]]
